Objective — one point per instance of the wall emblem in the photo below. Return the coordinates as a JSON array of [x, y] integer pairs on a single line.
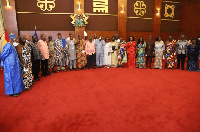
[[167, 8], [46, 5], [140, 8], [100, 6]]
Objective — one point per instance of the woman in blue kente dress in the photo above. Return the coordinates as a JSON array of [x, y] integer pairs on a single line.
[[141, 45], [192, 51]]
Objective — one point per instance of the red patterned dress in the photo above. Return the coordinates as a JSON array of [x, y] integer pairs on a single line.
[[170, 53], [131, 47]]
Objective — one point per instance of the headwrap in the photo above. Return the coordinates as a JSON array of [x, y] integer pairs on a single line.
[[12, 36]]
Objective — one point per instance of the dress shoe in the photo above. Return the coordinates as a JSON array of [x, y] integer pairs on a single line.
[[14, 95], [27, 89]]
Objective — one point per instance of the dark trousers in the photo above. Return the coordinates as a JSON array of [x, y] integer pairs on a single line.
[[148, 61], [44, 67], [36, 68], [181, 57], [90, 61], [94, 59]]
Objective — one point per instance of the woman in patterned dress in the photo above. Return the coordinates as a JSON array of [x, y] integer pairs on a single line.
[[192, 52], [170, 55], [141, 45], [159, 48], [52, 54]]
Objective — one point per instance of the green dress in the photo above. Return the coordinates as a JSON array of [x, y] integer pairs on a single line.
[[140, 62]]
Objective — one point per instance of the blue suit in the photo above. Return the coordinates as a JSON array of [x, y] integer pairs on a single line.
[[12, 70], [99, 46]]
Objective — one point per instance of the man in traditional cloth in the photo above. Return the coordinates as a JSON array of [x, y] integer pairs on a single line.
[[45, 52], [90, 52], [37, 56], [13, 82], [61, 52], [114, 55], [170, 53], [28, 43], [80, 51], [24, 53], [149, 51], [52, 54], [121, 52], [99, 45], [72, 53], [181, 48]]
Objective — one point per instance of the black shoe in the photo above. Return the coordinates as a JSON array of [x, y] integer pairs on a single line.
[[101, 66], [75, 69], [27, 89], [177, 68], [14, 95], [48, 73], [37, 79], [182, 68], [70, 69], [44, 75]]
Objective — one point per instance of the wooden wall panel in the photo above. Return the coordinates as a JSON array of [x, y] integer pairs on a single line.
[[10, 17], [141, 21], [189, 23], [102, 20], [156, 18], [44, 22], [79, 31], [122, 19]]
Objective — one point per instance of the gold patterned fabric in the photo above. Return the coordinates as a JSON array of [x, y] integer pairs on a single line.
[[52, 55]]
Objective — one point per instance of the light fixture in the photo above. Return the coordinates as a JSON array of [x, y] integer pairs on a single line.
[[122, 9], [7, 3], [79, 6], [158, 12]]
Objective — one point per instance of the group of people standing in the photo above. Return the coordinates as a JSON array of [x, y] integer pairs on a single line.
[[22, 57]]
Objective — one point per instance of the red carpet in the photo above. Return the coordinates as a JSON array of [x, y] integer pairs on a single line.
[[106, 100]]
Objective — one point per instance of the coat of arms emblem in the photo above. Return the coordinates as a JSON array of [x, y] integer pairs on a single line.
[[79, 20]]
